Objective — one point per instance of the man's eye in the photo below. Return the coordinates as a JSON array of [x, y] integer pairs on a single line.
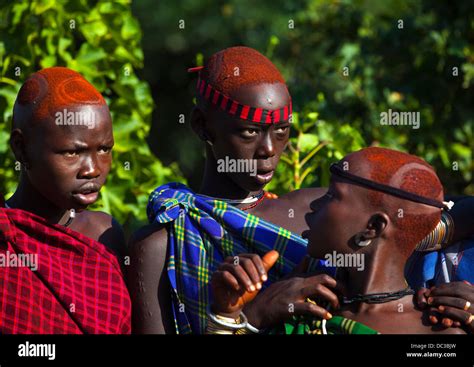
[[105, 150], [281, 130], [70, 153], [249, 133]]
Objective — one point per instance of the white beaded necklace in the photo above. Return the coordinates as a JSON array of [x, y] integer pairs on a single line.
[[249, 200]]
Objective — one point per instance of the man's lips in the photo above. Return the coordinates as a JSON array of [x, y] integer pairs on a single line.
[[87, 194], [264, 177], [86, 199]]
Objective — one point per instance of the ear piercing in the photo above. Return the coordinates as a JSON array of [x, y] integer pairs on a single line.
[[364, 243]]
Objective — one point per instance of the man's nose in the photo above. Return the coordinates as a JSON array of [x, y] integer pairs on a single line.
[[90, 168], [267, 146]]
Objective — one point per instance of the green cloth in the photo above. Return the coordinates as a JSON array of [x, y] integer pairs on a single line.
[[304, 325]]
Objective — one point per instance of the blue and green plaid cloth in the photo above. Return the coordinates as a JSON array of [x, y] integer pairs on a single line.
[[451, 264], [202, 232]]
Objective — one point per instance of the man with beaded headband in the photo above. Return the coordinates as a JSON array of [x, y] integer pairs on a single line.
[[243, 112], [62, 136]]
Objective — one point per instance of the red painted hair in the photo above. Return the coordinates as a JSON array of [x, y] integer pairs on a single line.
[[409, 173], [252, 68], [52, 89]]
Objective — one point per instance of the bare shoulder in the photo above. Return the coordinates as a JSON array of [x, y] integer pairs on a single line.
[[302, 198], [100, 219], [103, 228], [305, 195], [289, 210], [150, 241]]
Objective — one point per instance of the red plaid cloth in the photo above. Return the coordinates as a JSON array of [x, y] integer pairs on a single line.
[[77, 287]]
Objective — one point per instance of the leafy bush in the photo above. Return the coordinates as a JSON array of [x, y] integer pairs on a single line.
[[311, 42], [100, 40], [314, 146]]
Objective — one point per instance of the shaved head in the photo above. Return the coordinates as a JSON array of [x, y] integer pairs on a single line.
[[62, 136], [376, 194], [234, 67], [51, 90], [408, 173]]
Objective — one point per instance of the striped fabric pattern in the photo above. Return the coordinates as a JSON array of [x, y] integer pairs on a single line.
[[76, 288], [202, 232]]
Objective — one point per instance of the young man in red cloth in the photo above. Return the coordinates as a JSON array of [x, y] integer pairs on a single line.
[[62, 136]]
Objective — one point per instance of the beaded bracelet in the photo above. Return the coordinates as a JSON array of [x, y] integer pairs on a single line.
[[218, 324]]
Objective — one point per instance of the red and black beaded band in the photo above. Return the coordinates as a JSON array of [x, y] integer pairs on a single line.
[[234, 108], [242, 111]]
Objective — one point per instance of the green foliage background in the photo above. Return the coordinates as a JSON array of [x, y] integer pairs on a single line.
[[405, 69], [137, 59], [100, 40]]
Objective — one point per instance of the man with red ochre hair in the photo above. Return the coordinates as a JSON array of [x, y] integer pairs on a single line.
[[243, 114], [357, 218], [62, 136]]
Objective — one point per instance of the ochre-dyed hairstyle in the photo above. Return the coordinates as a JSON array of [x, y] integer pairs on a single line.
[[50, 90], [252, 67], [409, 173]]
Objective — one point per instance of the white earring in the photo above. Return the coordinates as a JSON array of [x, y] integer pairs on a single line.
[[364, 243]]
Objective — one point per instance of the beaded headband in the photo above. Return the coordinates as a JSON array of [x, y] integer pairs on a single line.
[[234, 108]]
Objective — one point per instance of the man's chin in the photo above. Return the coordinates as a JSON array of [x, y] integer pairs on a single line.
[[73, 204], [253, 185], [316, 251]]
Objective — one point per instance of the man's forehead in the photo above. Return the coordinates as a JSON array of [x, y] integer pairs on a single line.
[[252, 124], [269, 96], [343, 186], [77, 136], [80, 121], [226, 120]]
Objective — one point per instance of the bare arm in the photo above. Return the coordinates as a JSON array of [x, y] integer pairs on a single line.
[[148, 282], [103, 228], [114, 238]]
